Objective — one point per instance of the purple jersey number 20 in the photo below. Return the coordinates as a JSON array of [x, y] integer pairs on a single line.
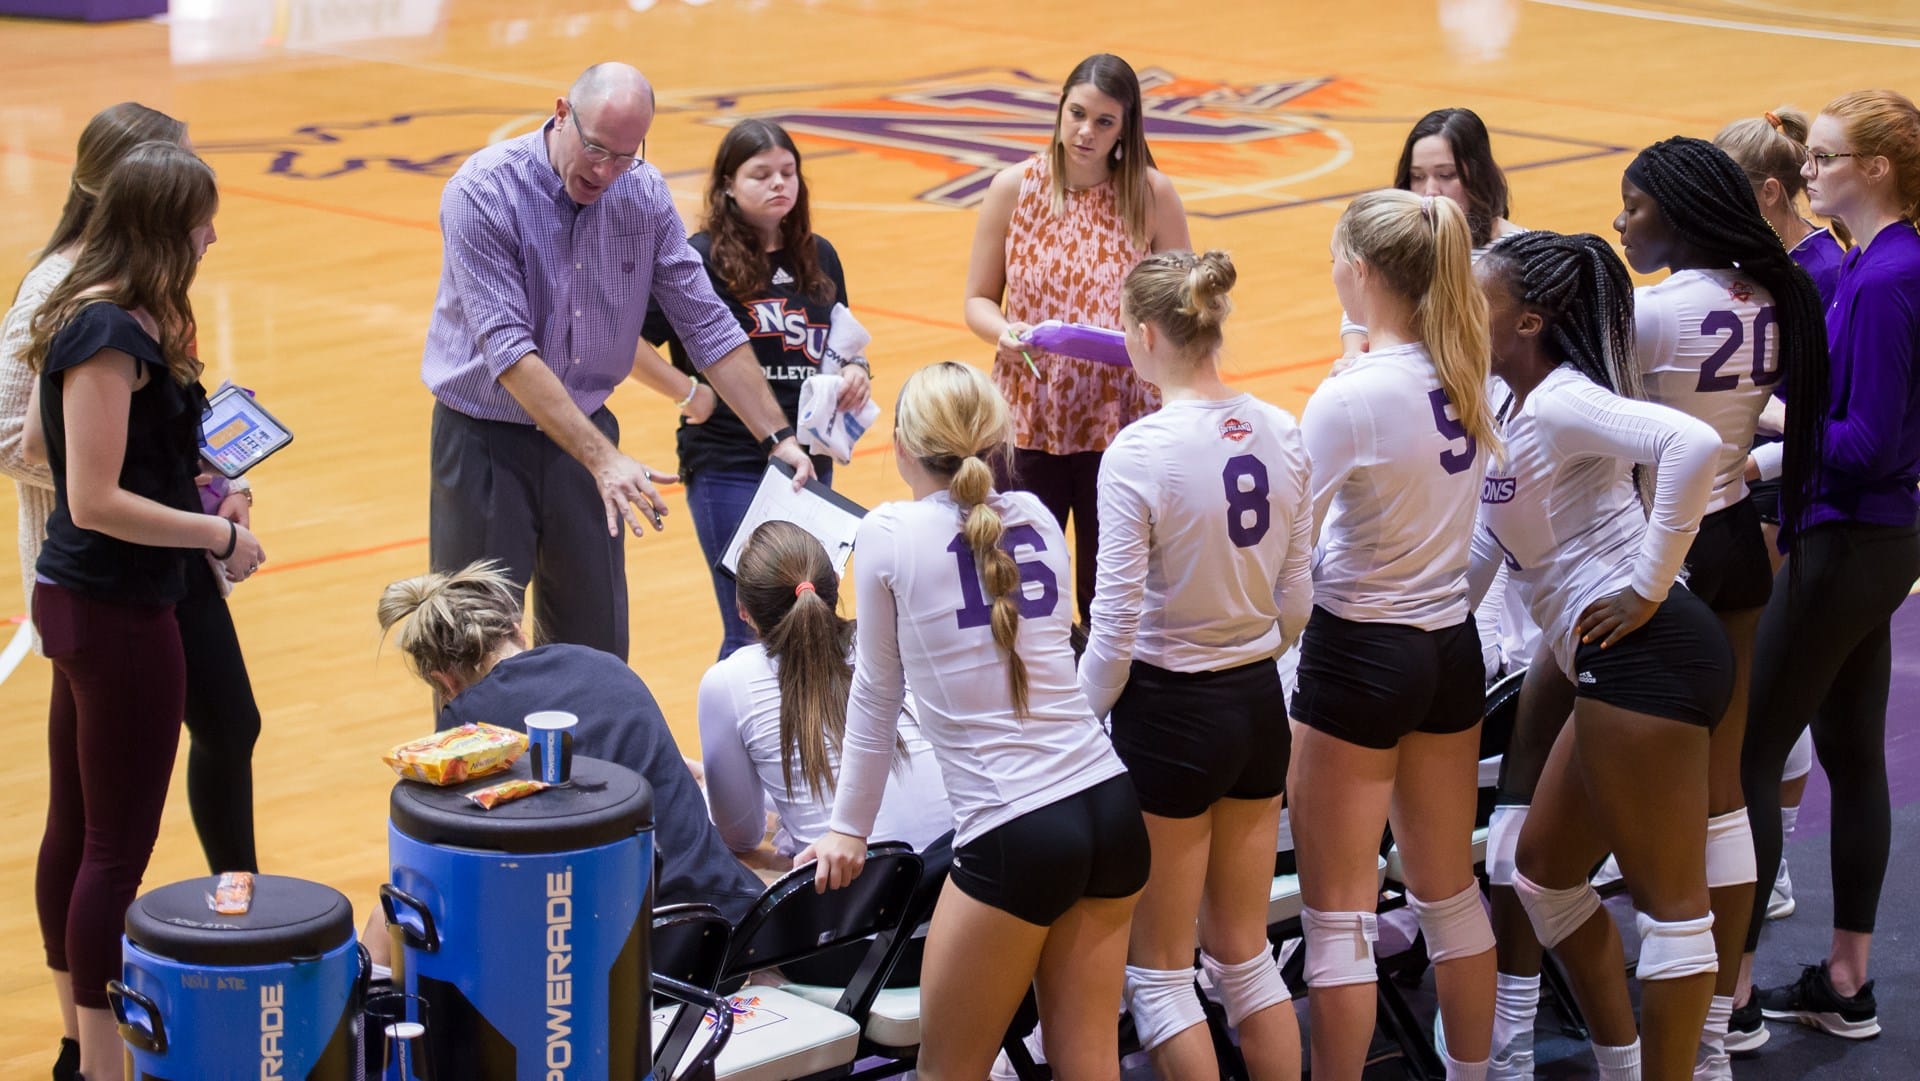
[[975, 610], [1453, 461]]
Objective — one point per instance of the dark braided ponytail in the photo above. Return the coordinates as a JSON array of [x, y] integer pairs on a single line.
[[1708, 200], [1581, 289]]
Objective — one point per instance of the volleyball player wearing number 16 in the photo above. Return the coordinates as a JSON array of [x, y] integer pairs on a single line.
[[962, 593], [1386, 718], [1204, 576]]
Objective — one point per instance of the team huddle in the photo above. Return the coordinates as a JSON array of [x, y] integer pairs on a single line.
[[1678, 517]]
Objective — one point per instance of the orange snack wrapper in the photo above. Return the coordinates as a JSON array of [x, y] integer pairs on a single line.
[[458, 754], [233, 894], [495, 794]]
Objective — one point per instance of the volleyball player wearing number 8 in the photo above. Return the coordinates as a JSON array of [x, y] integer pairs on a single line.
[[1388, 708], [1204, 576], [1735, 317], [962, 592], [1651, 668]]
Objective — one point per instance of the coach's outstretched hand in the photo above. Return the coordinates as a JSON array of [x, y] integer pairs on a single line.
[[839, 858], [1610, 619], [626, 485]]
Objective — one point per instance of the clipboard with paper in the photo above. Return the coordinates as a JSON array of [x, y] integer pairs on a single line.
[[832, 518]]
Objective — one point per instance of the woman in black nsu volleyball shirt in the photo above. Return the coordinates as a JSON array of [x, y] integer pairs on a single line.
[[781, 281]]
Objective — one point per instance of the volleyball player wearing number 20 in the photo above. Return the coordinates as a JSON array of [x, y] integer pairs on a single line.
[[1735, 316], [1651, 668], [962, 592], [1204, 576], [1386, 718]]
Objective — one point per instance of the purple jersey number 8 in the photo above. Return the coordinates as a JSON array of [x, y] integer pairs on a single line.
[[975, 610], [1453, 461], [1253, 498]]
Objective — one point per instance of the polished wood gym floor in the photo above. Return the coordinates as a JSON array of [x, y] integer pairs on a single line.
[[333, 123]]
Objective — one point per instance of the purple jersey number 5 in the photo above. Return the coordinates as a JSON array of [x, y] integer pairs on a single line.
[[1453, 461]]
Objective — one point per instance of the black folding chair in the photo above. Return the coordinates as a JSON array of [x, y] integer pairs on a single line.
[[689, 948]]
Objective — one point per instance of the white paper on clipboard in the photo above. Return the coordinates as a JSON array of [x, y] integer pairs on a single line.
[[832, 518]]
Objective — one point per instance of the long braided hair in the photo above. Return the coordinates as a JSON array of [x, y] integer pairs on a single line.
[[1581, 289], [1706, 197]]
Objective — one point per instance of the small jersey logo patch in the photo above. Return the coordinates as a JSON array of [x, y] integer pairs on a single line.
[[1740, 291], [781, 277], [1587, 678], [1235, 429], [1497, 489]]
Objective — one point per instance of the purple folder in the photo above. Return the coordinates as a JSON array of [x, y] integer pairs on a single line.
[[1080, 340]]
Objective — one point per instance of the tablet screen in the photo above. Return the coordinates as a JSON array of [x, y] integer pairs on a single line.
[[237, 433]]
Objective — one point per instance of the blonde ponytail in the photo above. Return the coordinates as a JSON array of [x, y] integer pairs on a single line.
[[455, 622], [1421, 249], [1183, 294], [951, 418]]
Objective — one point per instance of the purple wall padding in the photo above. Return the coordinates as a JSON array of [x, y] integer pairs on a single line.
[[92, 11]]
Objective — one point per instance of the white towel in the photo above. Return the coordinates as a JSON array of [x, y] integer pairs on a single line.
[[824, 427], [847, 340]]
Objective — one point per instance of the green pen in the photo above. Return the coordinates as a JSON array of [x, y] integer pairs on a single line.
[[1031, 366]]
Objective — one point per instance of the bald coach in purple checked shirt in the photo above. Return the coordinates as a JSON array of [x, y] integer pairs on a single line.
[[554, 241]]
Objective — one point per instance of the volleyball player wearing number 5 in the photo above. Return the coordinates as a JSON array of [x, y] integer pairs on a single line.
[[1735, 317], [964, 593], [1204, 576], [1386, 718]]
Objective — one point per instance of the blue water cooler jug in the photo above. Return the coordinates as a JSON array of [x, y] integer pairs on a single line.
[[525, 927], [274, 993]]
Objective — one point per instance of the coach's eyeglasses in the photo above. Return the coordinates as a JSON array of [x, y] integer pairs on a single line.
[[600, 155], [1820, 160]]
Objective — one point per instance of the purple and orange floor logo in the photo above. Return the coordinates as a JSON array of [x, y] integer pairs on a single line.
[[1233, 148]]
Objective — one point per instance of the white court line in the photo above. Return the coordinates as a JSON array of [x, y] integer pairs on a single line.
[[1731, 24], [16, 650]]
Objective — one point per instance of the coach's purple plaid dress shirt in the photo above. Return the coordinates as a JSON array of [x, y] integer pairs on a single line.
[[528, 271]]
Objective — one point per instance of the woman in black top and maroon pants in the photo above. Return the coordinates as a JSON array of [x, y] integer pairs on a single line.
[[781, 281], [119, 412]]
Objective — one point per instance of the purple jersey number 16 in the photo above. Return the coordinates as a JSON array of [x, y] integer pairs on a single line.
[[1453, 461], [975, 610]]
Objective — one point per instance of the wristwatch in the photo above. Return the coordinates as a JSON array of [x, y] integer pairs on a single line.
[[780, 435]]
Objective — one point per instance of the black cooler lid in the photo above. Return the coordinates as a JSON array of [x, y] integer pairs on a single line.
[[604, 803], [290, 919]]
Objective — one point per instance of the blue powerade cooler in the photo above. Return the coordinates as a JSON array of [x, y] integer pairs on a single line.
[[525, 927], [274, 993]]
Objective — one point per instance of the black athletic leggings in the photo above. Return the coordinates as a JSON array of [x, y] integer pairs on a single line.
[[1823, 656], [223, 722]]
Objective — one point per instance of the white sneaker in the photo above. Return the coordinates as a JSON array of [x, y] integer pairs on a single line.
[[1781, 904], [1713, 1066], [1607, 875]]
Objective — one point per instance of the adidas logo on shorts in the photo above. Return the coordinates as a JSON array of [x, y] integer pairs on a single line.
[[1587, 677]]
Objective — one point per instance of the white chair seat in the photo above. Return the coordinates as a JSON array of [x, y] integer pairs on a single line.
[[1398, 872], [777, 1036], [894, 1020]]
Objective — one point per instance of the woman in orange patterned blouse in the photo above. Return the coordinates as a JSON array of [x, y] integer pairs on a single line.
[[1057, 236]]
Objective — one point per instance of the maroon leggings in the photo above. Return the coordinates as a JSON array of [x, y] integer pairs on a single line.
[[119, 691]]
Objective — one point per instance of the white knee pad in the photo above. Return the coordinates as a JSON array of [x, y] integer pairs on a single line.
[[1339, 947], [1455, 927], [1163, 1003], [1555, 914], [1503, 840], [1672, 951], [1248, 987], [1800, 759], [1730, 860]]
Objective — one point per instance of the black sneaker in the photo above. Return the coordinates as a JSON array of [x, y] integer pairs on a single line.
[[1746, 1032], [67, 1066], [1811, 1000]]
